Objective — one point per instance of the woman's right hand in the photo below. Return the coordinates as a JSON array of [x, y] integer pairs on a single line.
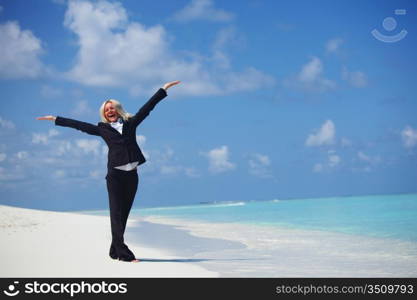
[[169, 84], [49, 118]]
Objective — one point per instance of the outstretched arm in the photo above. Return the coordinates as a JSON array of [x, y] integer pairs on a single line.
[[149, 106], [83, 126]]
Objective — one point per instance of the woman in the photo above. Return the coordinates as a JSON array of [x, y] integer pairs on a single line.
[[118, 129]]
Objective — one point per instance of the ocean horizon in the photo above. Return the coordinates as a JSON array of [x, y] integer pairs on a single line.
[[384, 216], [391, 216]]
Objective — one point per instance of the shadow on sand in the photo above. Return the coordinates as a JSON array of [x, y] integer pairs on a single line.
[[189, 260]]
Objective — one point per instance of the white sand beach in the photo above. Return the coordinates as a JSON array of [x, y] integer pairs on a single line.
[[37, 243]]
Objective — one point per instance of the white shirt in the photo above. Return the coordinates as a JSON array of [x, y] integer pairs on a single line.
[[118, 125], [129, 166]]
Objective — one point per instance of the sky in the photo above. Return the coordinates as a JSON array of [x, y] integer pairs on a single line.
[[278, 99]]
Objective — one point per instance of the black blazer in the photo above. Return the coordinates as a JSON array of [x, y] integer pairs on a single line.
[[123, 148]]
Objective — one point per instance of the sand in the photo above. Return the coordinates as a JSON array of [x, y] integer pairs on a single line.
[[37, 243]]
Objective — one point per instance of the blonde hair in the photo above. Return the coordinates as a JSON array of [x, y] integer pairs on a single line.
[[119, 108]]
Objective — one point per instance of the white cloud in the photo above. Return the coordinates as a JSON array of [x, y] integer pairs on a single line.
[[97, 174], [3, 156], [89, 146], [116, 52], [11, 174], [369, 159], [258, 165], [333, 45], [355, 78], [409, 137], [141, 140], [202, 10], [105, 150], [51, 156], [146, 154], [63, 147], [332, 161], [59, 174], [324, 136], [6, 124], [53, 132], [167, 155], [311, 71], [219, 160], [310, 78], [106, 57], [178, 169], [166, 170], [224, 37], [367, 162], [247, 80], [165, 163], [192, 172], [43, 138], [20, 52], [22, 155]]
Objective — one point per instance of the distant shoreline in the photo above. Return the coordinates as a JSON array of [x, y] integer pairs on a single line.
[[88, 210]]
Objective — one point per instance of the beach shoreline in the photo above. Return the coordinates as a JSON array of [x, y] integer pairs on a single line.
[[38, 243], [72, 244], [267, 251]]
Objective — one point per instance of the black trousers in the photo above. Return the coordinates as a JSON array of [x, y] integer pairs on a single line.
[[121, 187]]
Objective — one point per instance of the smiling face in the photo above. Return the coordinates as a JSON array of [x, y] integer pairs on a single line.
[[110, 112]]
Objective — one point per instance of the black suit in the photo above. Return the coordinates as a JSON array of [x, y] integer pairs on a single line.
[[121, 185]]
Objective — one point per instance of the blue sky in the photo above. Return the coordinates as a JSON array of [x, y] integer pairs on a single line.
[[279, 99]]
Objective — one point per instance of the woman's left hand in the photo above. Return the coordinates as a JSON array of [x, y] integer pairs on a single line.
[[169, 84]]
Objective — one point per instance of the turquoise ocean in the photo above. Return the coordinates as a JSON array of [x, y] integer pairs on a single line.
[[357, 236], [379, 216]]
